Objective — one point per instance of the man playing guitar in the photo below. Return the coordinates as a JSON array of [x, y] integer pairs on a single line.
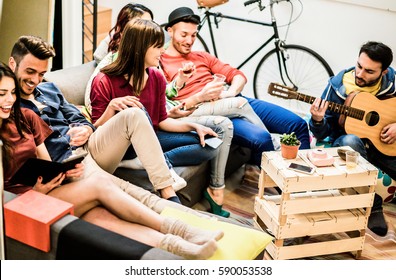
[[373, 75]]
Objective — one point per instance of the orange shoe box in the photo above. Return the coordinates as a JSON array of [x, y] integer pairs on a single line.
[[29, 216]]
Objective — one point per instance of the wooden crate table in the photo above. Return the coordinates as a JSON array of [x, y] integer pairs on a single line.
[[334, 199]]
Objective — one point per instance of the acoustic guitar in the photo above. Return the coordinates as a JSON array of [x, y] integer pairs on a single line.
[[366, 122]]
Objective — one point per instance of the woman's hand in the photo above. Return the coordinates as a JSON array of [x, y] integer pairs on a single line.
[[202, 131], [77, 172], [122, 103], [47, 187], [116, 105], [178, 112]]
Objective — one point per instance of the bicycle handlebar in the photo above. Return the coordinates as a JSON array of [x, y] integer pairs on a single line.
[[250, 2]]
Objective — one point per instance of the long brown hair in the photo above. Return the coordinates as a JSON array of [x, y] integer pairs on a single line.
[[16, 115], [127, 13], [138, 36]]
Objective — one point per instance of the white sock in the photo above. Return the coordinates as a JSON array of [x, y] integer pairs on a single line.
[[189, 233], [178, 246]]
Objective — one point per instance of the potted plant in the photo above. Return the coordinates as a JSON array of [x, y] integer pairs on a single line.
[[289, 145]]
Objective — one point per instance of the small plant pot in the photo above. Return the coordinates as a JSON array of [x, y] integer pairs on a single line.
[[289, 152]]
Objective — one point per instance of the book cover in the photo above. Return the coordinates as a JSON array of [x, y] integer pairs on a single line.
[[33, 168]]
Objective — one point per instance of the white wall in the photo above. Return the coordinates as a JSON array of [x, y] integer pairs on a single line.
[[334, 28], [71, 33]]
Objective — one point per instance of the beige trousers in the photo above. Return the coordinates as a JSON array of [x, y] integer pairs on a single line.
[[108, 144]]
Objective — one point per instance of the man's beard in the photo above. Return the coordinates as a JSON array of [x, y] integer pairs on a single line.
[[23, 93], [181, 49], [367, 84]]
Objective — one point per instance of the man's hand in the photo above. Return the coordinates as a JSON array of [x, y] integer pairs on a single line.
[[186, 72], [46, 188], [318, 109], [80, 135], [388, 134], [211, 91], [122, 103], [178, 112]]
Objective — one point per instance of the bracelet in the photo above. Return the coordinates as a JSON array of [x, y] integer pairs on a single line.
[[177, 87], [317, 123]]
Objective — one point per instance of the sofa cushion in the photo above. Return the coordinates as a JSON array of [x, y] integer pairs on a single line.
[[72, 81]]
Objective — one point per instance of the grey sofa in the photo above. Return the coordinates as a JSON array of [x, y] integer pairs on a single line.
[[72, 82]]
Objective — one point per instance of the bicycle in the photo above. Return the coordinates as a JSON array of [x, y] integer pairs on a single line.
[[292, 65]]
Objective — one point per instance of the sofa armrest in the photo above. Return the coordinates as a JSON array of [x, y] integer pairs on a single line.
[[85, 241]]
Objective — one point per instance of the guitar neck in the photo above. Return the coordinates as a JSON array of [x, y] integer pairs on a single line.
[[334, 107]]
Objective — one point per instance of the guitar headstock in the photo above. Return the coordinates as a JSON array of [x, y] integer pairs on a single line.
[[282, 91]]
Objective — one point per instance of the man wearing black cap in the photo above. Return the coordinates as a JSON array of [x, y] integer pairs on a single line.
[[182, 14], [183, 28]]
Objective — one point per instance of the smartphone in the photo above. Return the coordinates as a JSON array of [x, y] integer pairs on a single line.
[[301, 168], [213, 142]]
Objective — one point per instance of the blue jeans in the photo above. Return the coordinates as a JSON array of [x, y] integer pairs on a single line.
[[276, 120], [180, 149], [183, 149], [371, 154]]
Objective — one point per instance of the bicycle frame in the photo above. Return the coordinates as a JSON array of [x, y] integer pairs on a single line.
[[275, 36], [273, 24]]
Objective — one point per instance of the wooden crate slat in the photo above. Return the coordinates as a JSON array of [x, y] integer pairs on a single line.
[[309, 224], [318, 204], [315, 249]]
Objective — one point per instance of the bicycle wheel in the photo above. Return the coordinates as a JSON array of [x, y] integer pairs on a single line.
[[200, 44], [307, 70]]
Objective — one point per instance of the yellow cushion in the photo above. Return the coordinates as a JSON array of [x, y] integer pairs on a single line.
[[238, 243]]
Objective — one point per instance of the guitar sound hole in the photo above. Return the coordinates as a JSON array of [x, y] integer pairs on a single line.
[[372, 118]]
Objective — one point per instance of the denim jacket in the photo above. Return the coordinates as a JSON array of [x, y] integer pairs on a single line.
[[58, 115], [335, 92]]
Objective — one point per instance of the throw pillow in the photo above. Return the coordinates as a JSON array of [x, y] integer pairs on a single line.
[[238, 243], [386, 187]]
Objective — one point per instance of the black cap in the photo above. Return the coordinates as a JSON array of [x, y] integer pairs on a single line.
[[180, 14]]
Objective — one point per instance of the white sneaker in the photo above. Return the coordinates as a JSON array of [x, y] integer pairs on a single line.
[[179, 181], [131, 164]]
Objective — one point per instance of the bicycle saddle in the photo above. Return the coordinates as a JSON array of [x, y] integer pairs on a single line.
[[210, 3]]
